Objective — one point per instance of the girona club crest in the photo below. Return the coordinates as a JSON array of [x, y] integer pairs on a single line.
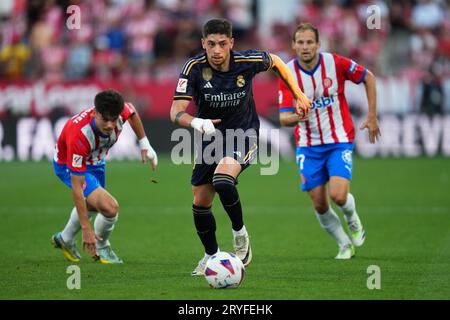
[[327, 83]]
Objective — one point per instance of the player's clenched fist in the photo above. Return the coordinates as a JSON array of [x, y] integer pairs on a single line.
[[302, 106], [205, 126]]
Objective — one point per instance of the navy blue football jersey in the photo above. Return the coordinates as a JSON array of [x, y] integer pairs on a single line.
[[224, 95]]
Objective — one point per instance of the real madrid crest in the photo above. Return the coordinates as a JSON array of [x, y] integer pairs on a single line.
[[207, 74], [240, 81]]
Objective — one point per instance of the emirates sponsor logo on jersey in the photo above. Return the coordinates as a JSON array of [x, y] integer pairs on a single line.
[[77, 161], [224, 100]]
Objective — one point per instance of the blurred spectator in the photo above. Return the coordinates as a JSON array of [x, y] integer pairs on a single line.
[[140, 40], [423, 47], [427, 14], [140, 30], [41, 34], [53, 58], [79, 57], [11, 28], [432, 95], [187, 40], [106, 62], [239, 12], [116, 36], [13, 58]]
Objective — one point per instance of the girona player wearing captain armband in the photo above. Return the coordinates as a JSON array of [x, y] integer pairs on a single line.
[[79, 162], [325, 136]]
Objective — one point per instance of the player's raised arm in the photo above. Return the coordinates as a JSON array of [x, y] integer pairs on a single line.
[[371, 122], [146, 149], [303, 104]]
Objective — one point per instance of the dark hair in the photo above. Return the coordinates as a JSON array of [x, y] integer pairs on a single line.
[[220, 26], [306, 26], [109, 103]]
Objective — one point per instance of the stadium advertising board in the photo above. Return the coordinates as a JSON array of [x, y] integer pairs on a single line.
[[33, 139]]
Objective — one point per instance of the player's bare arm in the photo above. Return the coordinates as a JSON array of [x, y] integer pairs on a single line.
[[371, 122], [302, 103], [89, 237], [290, 118], [146, 149], [179, 115]]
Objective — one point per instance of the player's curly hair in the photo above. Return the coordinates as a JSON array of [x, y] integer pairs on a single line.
[[219, 26], [109, 103], [306, 26]]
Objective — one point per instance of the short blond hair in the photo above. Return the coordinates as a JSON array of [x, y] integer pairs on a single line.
[[306, 26]]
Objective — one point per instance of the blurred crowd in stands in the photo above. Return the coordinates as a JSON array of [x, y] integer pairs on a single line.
[[144, 40]]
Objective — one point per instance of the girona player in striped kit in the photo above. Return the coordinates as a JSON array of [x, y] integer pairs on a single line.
[[325, 136], [79, 162]]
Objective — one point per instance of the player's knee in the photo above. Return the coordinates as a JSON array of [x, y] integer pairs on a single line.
[[339, 198], [320, 204], [321, 208], [223, 183], [202, 202], [111, 210], [203, 196]]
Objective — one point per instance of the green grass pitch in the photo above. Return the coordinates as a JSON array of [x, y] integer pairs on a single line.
[[404, 205]]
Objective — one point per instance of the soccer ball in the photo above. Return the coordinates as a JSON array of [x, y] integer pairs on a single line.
[[224, 270]]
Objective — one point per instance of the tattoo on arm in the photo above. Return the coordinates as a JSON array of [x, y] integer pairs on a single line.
[[178, 116]]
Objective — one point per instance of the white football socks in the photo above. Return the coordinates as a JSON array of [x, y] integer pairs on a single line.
[[331, 223], [103, 227], [73, 226], [349, 208]]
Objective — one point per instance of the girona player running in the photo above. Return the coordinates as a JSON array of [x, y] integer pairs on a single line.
[[325, 137], [80, 164]]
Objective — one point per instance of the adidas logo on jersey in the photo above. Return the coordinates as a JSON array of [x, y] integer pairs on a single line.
[[208, 85]]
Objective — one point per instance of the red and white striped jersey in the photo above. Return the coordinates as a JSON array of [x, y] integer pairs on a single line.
[[81, 143], [329, 120]]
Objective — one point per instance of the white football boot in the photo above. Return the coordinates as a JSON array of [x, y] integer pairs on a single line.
[[200, 269], [346, 252], [243, 249], [357, 233]]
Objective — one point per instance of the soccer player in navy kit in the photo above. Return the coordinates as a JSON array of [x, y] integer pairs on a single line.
[[220, 82]]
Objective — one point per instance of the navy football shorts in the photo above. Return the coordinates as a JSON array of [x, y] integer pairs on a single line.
[[242, 149]]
